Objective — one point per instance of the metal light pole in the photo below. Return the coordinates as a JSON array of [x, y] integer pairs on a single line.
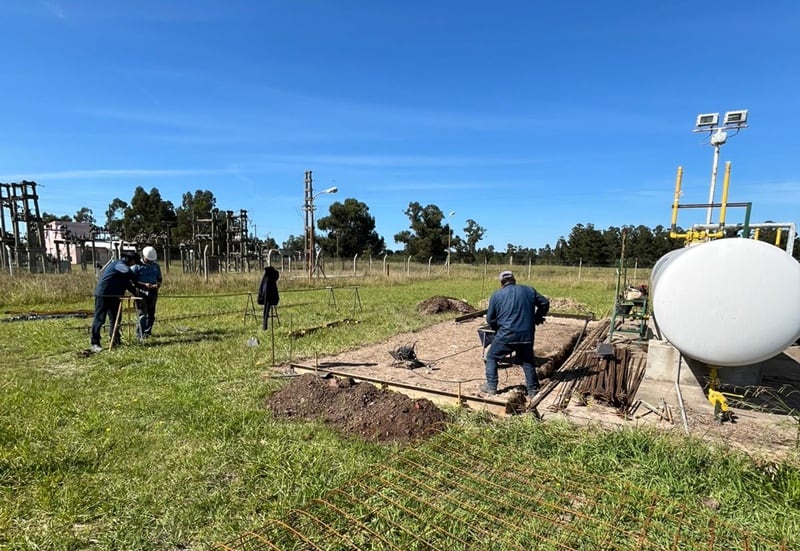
[[309, 210], [717, 140], [307, 222]]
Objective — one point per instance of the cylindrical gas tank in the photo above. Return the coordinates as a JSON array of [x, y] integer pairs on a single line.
[[729, 302]]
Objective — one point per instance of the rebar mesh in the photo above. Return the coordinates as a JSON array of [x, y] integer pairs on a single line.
[[457, 493]]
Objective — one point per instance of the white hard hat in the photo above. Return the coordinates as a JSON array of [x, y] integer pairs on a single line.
[[150, 254]]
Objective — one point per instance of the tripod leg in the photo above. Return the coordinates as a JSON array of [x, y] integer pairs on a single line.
[[117, 320]]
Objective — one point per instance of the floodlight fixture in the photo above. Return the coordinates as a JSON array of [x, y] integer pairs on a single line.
[[736, 118], [706, 120]]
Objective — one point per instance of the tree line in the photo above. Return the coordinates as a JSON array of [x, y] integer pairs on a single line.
[[349, 230]]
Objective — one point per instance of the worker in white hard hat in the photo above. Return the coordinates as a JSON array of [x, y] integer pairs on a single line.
[[148, 279]]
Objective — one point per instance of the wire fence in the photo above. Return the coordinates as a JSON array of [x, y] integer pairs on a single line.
[[461, 492]]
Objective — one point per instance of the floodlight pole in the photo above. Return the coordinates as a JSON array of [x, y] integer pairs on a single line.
[[711, 192], [734, 120]]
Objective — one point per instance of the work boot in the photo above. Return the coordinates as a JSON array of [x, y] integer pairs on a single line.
[[484, 389]]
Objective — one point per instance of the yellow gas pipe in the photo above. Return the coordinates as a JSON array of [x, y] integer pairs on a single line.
[[678, 180], [690, 235], [725, 184]]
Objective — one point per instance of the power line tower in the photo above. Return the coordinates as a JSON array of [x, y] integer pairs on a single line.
[[26, 239], [236, 238]]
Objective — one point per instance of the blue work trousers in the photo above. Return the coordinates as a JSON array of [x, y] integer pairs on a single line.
[[523, 355], [146, 313]]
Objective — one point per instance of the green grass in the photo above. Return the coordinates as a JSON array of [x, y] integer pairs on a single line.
[[168, 445]]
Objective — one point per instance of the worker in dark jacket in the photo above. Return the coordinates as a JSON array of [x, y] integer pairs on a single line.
[[114, 281], [514, 312]]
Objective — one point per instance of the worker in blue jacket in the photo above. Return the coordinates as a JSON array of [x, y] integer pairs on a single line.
[[115, 279], [148, 279], [514, 312]]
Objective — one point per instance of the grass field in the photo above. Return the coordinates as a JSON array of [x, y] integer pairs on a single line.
[[167, 445]]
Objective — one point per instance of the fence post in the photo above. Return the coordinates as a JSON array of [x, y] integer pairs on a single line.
[[205, 261]]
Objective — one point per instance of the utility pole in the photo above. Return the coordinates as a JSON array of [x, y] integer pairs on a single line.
[[308, 207], [449, 238], [309, 225]]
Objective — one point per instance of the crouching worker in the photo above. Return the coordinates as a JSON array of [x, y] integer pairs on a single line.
[[148, 280], [114, 281], [514, 312]]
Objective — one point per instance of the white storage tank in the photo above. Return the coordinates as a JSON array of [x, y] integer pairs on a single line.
[[729, 302]]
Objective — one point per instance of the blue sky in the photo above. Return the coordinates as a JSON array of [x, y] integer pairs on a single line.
[[528, 117]]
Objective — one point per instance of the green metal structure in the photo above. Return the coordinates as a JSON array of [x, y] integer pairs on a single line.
[[631, 305]]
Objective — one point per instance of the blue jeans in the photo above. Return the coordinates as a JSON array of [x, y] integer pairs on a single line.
[[146, 313], [523, 354]]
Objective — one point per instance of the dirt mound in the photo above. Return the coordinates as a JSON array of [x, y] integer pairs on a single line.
[[568, 305], [357, 408], [439, 305]]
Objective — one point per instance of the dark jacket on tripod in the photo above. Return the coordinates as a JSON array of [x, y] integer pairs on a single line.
[[268, 293]]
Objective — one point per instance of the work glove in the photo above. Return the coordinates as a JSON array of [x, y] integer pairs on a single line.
[[538, 320]]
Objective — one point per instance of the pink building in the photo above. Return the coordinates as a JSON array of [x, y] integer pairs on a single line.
[[72, 243]]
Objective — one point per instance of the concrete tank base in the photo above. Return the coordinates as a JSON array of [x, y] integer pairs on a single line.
[[746, 375], [740, 376], [662, 365], [663, 362]]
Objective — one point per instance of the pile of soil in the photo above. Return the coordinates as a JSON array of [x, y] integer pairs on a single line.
[[567, 305], [440, 305], [358, 408]]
